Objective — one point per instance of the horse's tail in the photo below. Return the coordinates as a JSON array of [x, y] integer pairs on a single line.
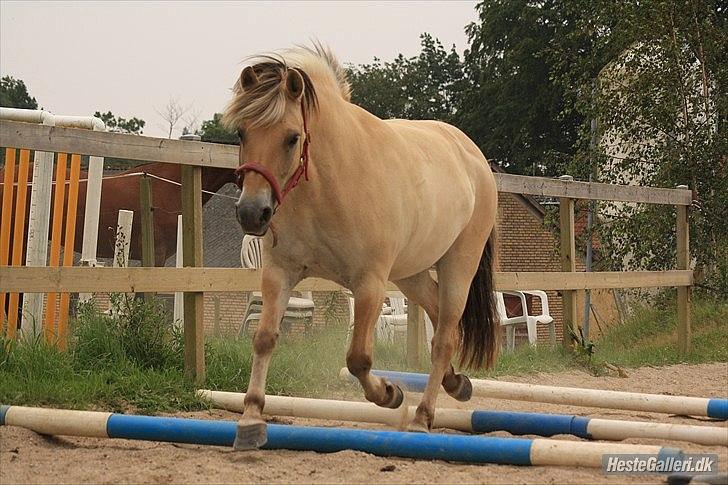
[[479, 327]]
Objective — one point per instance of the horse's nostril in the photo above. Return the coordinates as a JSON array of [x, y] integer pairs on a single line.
[[265, 215]]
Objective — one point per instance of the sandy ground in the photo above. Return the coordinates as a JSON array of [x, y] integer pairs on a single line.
[[26, 457]]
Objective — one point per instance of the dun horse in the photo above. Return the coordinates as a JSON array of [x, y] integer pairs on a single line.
[[343, 195]]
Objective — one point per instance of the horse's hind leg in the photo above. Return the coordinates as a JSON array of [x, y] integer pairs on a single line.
[[368, 298], [455, 272], [422, 290]]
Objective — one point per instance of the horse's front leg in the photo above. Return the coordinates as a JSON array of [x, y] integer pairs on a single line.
[[368, 298], [276, 288]]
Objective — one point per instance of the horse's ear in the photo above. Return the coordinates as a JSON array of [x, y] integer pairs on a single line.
[[294, 84], [248, 78]]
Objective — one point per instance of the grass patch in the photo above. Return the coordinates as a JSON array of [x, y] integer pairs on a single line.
[[133, 362]]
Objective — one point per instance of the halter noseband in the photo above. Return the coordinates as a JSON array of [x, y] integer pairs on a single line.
[[301, 171]]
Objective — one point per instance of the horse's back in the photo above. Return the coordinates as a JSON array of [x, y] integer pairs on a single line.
[[451, 182]]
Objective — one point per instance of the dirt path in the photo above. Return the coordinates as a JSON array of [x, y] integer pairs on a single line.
[[26, 457]]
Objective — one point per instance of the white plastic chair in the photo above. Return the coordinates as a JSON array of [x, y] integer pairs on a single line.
[[299, 309], [392, 321], [531, 321]]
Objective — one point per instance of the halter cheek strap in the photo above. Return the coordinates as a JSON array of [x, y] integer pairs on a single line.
[[301, 170]]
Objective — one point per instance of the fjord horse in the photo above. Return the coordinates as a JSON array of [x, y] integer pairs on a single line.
[[341, 194]]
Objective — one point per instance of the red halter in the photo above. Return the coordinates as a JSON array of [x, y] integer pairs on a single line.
[[301, 171]]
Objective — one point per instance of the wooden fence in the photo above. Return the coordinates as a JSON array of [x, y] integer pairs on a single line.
[[194, 280]]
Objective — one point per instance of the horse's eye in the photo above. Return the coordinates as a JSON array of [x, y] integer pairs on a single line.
[[292, 140]]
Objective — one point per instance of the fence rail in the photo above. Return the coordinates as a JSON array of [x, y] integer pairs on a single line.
[[190, 279], [148, 149]]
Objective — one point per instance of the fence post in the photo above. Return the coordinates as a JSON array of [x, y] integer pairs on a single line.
[[192, 256], [178, 316], [683, 292], [146, 208], [415, 334], [147, 220], [568, 263]]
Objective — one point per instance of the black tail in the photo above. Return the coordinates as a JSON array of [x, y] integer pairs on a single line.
[[479, 327]]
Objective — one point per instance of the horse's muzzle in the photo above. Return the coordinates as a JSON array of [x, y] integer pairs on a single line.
[[254, 216]]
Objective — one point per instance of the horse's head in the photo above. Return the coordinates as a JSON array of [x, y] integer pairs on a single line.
[[269, 114]]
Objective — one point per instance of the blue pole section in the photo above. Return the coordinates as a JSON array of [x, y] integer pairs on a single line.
[[414, 382], [473, 449], [718, 409], [3, 409], [540, 424]]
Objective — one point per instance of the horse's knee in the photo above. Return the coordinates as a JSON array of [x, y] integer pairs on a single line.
[[264, 341], [358, 364], [442, 348]]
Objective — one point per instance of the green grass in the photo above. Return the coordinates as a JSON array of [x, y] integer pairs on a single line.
[[133, 362]]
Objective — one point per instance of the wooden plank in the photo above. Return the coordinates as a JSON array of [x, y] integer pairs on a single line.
[[130, 280], [147, 219], [415, 335], [69, 240], [521, 184], [117, 145], [194, 316], [144, 148], [684, 293], [568, 264]]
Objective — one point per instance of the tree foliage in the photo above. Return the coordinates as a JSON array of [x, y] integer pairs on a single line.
[[14, 94], [426, 86], [512, 108], [653, 75], [213, 131], [117, 124]]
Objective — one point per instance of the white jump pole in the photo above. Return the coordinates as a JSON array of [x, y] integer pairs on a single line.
[[39, 222], [93, 208], [123, 238], [428, 446], [572, 396], [122, 243], [179, 312], [538, 424]]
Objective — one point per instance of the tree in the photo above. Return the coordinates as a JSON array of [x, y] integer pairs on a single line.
[[654, 77], [512, 108], [116, 124], [425, 86], [14, 94], [213, 131], [172, 113]]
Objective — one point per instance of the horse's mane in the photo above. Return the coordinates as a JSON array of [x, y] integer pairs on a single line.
[[265, 104]]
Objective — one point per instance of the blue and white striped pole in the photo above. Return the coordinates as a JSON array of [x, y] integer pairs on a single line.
[[468, 449], [572, 396], [469, 421]]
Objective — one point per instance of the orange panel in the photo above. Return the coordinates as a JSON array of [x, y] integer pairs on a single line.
[[6, 222], [49, 328], [18, 234], [68, 243]]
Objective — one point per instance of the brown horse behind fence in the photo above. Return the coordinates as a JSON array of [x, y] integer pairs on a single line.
[[121, 191]]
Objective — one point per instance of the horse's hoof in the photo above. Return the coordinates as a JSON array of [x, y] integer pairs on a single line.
[[395, 396], [415, 427], [464, 391], [250, 435]]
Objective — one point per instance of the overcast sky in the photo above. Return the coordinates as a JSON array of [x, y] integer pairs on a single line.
[[132, 57]]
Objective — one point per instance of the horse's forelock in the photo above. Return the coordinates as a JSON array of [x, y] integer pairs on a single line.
[[265, 103]]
